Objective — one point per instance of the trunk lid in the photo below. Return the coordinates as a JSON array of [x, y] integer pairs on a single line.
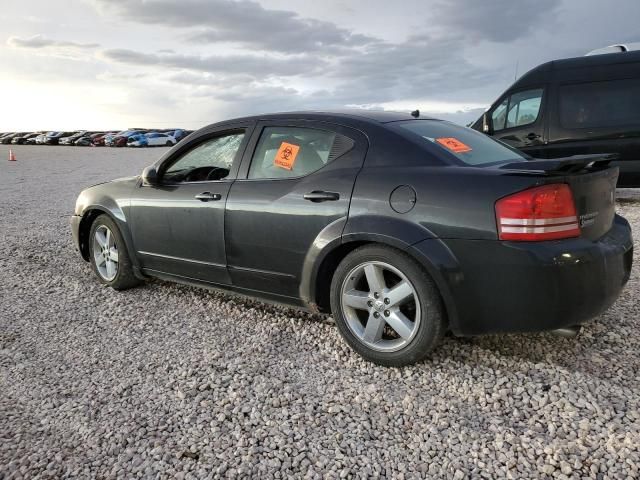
[[592, 182]]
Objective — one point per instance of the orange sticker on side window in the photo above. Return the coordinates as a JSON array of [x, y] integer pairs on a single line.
[[453, 144], [286, 156]]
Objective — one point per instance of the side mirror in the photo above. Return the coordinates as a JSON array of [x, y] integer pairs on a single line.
[[487, 127], [150, 176]]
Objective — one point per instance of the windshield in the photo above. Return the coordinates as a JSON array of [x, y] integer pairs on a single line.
[[467, 145]]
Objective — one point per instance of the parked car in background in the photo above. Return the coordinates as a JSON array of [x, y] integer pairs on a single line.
[[583, 105], [99, 141], [69, 140], [34, 140], [178, 134], [138, 140], [392, 223], [8, 138], [151, 139], [53, 138], [87, 139], [24, 139], [42, 138], [120, 139]]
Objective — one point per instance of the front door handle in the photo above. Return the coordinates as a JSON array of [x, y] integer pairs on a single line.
[[207, 196], [532, 136], [319, 196]]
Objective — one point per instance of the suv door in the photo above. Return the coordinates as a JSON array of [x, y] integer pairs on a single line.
[[295, 181], [518, 120], [178, 224]]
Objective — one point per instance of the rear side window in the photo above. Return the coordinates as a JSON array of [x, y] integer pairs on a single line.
[[467, 145], [287, 152], [600, 104]]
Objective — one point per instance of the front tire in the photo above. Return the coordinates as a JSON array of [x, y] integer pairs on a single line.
[[386, 306], [108, 255]]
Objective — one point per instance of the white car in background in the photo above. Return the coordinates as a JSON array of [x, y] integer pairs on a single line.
[[151, 139]]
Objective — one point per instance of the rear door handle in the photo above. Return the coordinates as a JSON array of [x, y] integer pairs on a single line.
[[207, 196], [532, 136], [318, 196]]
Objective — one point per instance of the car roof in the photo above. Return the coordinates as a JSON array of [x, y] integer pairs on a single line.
[[361, 115]]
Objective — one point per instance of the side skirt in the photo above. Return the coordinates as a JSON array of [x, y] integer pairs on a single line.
[[280, 300]]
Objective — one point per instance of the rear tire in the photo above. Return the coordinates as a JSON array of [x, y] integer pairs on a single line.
[[169, 144], [108, 255], [386, 306]]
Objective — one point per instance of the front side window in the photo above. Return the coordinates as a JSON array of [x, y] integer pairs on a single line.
[[517, 110], [600, 104], [287, 152], [524, 108], [210, 160]]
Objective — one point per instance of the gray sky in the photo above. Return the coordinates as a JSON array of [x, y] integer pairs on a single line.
[[102, 64]]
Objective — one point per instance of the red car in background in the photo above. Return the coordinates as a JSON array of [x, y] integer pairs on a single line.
[[99, 140]]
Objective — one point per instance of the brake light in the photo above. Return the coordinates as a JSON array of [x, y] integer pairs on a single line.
[[540, 213]]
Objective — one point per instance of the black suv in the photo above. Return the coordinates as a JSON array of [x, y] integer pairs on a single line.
[[575, 106]]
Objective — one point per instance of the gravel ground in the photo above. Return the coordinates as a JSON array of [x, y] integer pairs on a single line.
[[168, 381]]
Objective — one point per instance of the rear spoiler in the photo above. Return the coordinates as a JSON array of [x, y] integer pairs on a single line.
[[565, 165]]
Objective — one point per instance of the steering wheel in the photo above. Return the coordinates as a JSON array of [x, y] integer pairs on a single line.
[[197, 174], [217, 173]]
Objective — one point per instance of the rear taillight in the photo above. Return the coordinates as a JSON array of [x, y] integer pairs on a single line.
[[540, 213]]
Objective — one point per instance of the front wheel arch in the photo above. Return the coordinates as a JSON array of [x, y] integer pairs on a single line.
[[85, 228]]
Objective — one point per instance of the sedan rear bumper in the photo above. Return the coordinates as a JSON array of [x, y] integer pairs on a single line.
[[536, 286]]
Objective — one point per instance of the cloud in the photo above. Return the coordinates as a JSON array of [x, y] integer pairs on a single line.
[[243, 22], [497, 20], [258, 66], [39, 41]]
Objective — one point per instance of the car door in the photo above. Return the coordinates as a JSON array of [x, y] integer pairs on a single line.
[[518, 120], [295, 181], [154, 140], [178, 223]]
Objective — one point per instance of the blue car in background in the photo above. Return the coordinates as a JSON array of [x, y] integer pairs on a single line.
[[151, 139], [178, 134]]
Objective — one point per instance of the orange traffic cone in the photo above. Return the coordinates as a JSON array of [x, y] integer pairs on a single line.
[[12, 156]]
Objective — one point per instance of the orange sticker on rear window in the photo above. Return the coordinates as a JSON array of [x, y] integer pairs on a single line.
[[286, 156], [453, 144]]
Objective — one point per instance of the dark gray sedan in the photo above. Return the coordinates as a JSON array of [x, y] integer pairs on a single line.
[[403, 227]]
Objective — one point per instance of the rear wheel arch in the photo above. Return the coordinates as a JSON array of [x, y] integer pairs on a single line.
[[324, 274], [425, 257]]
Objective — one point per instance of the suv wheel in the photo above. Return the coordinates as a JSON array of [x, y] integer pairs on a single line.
[[108, 255], [386, 307]]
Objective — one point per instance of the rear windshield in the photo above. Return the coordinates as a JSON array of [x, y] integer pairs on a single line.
[[467, 145]]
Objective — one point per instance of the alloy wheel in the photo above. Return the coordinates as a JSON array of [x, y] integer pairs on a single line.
[[105, 253], [381, 306]]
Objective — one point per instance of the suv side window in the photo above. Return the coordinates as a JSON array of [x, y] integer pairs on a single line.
[[210, 160], [610, 103], [499, 115], [287, 152], [521, 108]]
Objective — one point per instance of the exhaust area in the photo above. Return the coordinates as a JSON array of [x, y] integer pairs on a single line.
[[567, 332]]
